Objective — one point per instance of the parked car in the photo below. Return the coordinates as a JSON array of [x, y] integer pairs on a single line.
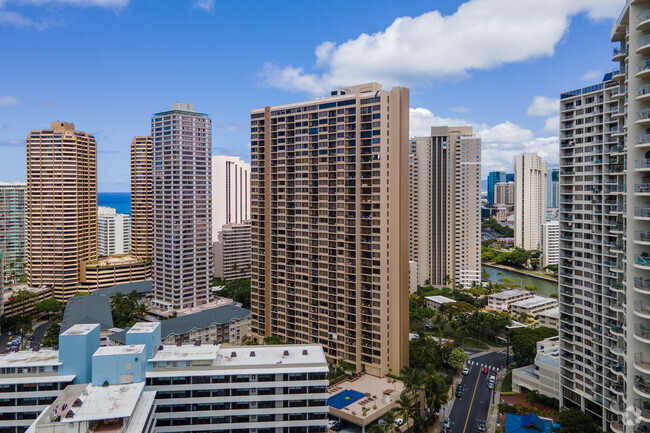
[[447, 422], [492, 378], [399, 421], [491, 385], [485, 370], [481, 427], [459, 390], [332, 424], [465, 371]]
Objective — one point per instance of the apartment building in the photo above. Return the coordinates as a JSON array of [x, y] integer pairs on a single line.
[[504, 193], [550, 243], [232, 252], [329, 185], [231, 192], [13, 228], [494, 177], [61, 206], [553, 191], [501, 301], [197, 387], [445, 206], [182, 208], [533, 306], [544, 375], [550, 319], [110, 271], [141, 197], [530, 200], [113, 232]]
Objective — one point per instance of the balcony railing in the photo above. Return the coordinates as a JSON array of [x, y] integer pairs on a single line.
[[642, 385], [643, 114], [642, 261], [641, 331], [642, 188], [642, 212], [643, 41], [642, 283], [642, 236], [643, 16], [639, 307], [642, 139]]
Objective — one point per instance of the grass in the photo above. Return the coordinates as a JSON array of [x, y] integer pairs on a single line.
[[507, 383]]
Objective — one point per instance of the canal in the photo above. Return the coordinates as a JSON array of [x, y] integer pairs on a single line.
[[544, 287]]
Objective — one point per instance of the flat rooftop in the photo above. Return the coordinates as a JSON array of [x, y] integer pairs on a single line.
[[28, 358], [535, 301], [553, 313], [439, 299], [103, 403], [509, 294], [270, 355], [113, 260], [187, 352], [80, 329], [120, 350], [143, 327]]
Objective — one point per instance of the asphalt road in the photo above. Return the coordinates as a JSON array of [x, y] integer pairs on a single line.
[[39, 332], [472, 407]]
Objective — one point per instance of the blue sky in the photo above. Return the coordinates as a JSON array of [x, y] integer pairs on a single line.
[[107, 65]]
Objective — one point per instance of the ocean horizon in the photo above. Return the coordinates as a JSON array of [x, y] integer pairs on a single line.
[[120, 201]]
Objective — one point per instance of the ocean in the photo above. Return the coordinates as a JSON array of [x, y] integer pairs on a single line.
[[120, 201]]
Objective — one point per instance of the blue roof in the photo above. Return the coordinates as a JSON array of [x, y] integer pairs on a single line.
[[530, 423]]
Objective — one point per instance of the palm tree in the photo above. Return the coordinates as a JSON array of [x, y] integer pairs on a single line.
[[413, 380], [439, 322], [405, 408]]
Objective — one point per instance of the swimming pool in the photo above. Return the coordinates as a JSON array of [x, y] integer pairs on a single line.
[[344, 398]]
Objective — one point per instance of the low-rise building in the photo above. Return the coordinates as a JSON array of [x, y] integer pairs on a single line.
[[544, 375], [500, 301], [550, 318], [435, 302], [113, 270], [533, 306], [12, 303], [232, 252]]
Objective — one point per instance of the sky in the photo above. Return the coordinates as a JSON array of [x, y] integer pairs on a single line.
[[107, 65]]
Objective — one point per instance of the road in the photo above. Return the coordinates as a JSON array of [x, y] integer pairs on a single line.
[[472, 407], [39, 332]]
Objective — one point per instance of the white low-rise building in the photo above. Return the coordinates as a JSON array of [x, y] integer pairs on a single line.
[[544, 375], [533, 306], [550, 318], [435, 302], [501, 301]]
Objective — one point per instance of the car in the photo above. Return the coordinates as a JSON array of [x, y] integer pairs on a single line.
[[332, 424], [491, 385], [459, 393], [492, 378], [446, 423], [465, 371], [398, 421], [485, 370], [481, 427]]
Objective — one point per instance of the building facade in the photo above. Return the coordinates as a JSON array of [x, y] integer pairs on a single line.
[[530, 200], [323, 269], [445, 206], [232, 252], [113, 232], [141, 197], [61, 206], [550, 243], [504, 193], [13, 228], [494, 177], [110, 271], [182, 207], [553, 192], [231, 192]]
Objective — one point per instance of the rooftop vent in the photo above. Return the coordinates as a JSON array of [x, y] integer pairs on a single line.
[[233, 354], [105, 384], [77, 403], [160, 347], [304, 352], [252, 353], [197, 342], [70, 414], [178, 343], [286, 353]]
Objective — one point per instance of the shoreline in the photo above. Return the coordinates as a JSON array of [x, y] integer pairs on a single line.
[[518, 271]]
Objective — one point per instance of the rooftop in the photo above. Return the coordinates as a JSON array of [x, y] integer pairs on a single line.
[[552, 313], [80, 329], [535, 301], [439, 299], [141, 287], [186, 352], [114, 260], [25, 358], [120, 350], [144, 327], [88, 309], [270, 355], [509, 294]]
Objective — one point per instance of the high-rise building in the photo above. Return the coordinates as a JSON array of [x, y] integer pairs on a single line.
[[61, 206], [141, 197], [329, 209], [182, 207], [594, 366], [12, 228], [494, 177], [445, 206], [550, 243], [113, 232], [510, 177], [232, 252], [504, 193], [231, 192], [553, 192], [530, 199]]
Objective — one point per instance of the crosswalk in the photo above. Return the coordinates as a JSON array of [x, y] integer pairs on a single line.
[[483, 365]]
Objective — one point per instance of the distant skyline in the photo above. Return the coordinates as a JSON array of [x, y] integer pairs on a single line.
[[107, 65]]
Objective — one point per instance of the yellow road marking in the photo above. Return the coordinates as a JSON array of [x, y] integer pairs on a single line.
[[472, 402]]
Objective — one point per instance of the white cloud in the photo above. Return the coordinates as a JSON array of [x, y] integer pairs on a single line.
[[552, 124], [592, 75], [459, 109], [15, 19], [543, 106], [499, 143], [8, 100], [206, 5], [481, 34]]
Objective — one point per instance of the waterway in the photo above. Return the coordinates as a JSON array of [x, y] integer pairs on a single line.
[[544, 287]]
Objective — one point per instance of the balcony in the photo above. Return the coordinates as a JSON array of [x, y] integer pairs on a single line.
[[642, 262], [618, 407], [617, 426], [642, 238], [642, 310], [643, 93], [642, 409], [643, 70], [642, 140], [642, 213], [643, 21], [641, 364], [618, 74], [642, 387], [642, 285], [642, 189], [643, 117], [641, 333], [618, 54], [619, 92], [643, 45]]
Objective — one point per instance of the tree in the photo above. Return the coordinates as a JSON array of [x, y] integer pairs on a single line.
[[530, 287], [273, 340], [25, 299], [247, 340], [457, 359], [405, 408], [51, 337], [485, 275], [524, 343], [576, 421], [49, 305]]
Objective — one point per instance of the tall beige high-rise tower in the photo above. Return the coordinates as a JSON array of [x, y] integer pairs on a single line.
[[531, 174], [61, 206], [231, 192], [182, 207], [329, 201], [445, 170], [141, 197]]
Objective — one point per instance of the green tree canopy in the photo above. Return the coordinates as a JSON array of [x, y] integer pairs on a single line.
[[524, 342], [49, 305], [576, 421], [457, 359]]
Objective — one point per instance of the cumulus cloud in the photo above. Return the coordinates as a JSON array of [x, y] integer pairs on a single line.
[[500, 142], [552, 124], [8, 100], [592, 75], [206, 5], [417, 50], [543, 106]]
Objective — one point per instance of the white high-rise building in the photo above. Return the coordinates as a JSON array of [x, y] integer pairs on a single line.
[[231, 192], [531, 174], [550, 243], [445, 197], [113, 232], [182, 207]]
